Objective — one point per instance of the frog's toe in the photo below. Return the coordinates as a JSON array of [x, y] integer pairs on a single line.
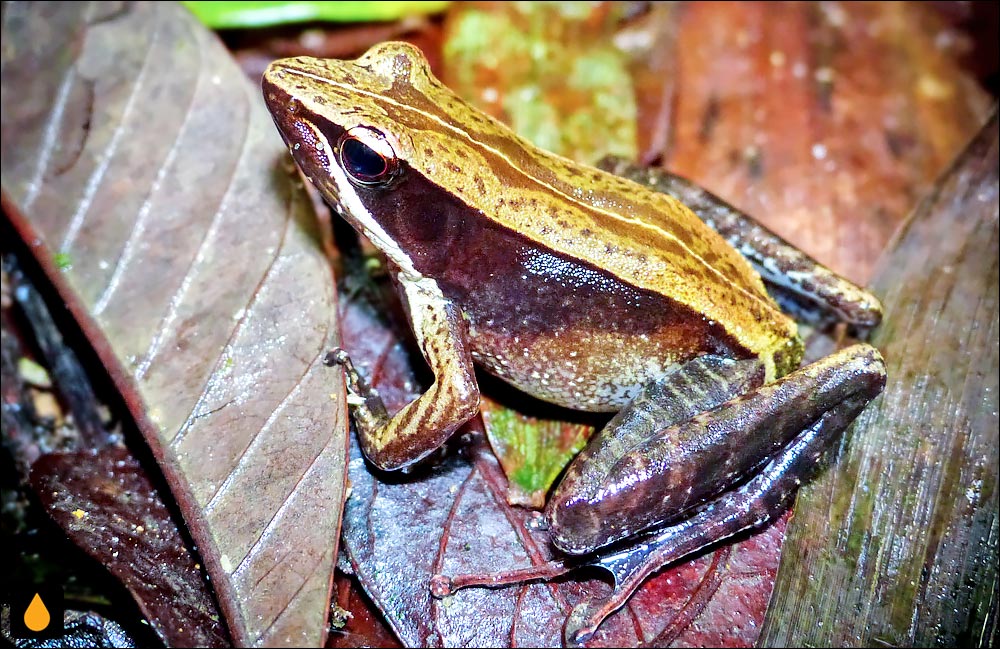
[[574, 524]]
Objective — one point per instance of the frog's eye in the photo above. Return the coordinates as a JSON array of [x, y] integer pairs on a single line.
[[367, 157]]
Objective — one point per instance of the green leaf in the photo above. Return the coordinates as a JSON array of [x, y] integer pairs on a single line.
[[549, 70], [531, 451], [62, 260], [263, 13]]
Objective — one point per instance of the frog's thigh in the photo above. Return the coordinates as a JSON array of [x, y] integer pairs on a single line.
[[694, 387], [426, 423], [687, 464]]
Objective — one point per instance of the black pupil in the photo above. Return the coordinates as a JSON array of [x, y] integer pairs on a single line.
[[361, 161]]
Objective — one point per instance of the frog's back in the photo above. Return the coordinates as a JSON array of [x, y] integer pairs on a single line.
[[473, 171], [645, 239]]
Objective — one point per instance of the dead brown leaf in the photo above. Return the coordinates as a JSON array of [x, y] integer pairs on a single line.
[[145, 173]]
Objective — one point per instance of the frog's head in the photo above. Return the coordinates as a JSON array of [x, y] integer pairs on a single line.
[[383, 139]]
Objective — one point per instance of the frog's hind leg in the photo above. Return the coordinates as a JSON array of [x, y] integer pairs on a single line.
[[799, 416], [732, 466], [697, 386], [628, 481]]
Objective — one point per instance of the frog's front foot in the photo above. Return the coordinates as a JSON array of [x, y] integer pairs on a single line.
[[424, 424], [364, 401]]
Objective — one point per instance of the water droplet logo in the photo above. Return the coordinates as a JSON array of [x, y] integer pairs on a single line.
[[37, 617], [36, 610]]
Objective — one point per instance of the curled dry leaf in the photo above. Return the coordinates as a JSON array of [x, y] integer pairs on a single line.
[[95, 490], [145, 173]]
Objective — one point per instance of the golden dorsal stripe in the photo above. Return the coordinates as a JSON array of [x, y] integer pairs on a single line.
[[503, 132]]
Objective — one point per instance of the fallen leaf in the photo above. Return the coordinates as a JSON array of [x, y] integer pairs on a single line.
[[904, 530], [532, 451], [144, 172]]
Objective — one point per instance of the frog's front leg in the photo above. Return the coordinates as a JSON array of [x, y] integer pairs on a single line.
[[427, 422]]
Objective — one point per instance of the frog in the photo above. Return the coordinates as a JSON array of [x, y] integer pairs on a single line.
[[585, 289]]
